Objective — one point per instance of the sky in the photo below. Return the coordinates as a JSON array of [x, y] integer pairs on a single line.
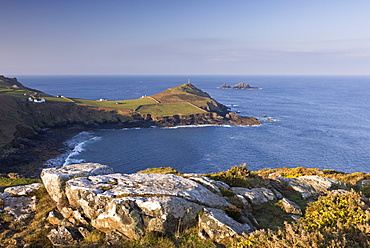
[[185, 37]]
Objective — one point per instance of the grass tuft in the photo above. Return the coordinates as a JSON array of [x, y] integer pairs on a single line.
[[161, 170]]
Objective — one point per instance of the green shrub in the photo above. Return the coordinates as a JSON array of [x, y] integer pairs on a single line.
[[240, 176], [271, 216]]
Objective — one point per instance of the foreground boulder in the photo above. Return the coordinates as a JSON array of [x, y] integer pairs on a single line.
[[137, 203], [127, 206], [55, 178], [134, 204]]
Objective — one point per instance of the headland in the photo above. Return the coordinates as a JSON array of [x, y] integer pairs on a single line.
[[34, 124]]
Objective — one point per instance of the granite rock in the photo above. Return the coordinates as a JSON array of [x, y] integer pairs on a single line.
[[311, 186], [256, 196], [216, 225], [54, 179], [290, 207]]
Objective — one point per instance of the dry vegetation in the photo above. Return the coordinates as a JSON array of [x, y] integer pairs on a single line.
[[336, 220]]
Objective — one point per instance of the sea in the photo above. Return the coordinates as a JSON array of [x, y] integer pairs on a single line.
[[311, 121]]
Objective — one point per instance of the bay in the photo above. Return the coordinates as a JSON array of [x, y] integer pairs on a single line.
[[312, 121]]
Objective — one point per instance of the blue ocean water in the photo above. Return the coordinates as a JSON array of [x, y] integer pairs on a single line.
[[317, 121]]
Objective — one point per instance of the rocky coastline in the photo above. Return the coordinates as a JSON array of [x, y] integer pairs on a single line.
[[28, 154], [32, 133]]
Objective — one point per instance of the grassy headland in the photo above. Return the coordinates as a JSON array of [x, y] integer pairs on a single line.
[[26, 114]]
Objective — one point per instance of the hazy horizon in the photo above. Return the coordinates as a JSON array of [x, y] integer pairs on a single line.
[[143, 37]]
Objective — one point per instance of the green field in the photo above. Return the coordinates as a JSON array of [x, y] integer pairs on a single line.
[[57, 99], [177, 104], [15, 91], [144, 105], [131, 105], [169, 109]]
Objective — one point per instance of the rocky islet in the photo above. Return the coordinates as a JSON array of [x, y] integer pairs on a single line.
[[239, 86]]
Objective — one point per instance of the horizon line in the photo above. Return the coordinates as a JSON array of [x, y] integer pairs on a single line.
[[188, 75]]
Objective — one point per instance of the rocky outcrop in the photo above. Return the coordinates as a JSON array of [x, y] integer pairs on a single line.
[[257, 197], [312, 186], [91, 196], [24, 190], [134, 204], [215, 225], [204, 119], [19, 201], [62, 236], [127, 206], [240, 86], [56, 178], [242, 120], [290, 207]]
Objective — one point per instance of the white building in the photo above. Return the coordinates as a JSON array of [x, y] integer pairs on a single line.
[[39, 100]]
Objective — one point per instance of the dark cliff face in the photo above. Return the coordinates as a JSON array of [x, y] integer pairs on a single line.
[[205, 118]]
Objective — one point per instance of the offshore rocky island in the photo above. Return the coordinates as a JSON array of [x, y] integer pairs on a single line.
[[239, 86], [89, 205]]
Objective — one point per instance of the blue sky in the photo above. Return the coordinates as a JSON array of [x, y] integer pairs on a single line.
[[187, 37]]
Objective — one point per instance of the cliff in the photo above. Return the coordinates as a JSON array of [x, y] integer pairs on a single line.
[[26, 123]]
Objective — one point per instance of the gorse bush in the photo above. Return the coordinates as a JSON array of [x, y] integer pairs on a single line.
[[345, 210], [336, 220]]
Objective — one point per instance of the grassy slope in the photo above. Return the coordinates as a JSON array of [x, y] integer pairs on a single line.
[[182, 100], [19, 117], [188, 93]]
